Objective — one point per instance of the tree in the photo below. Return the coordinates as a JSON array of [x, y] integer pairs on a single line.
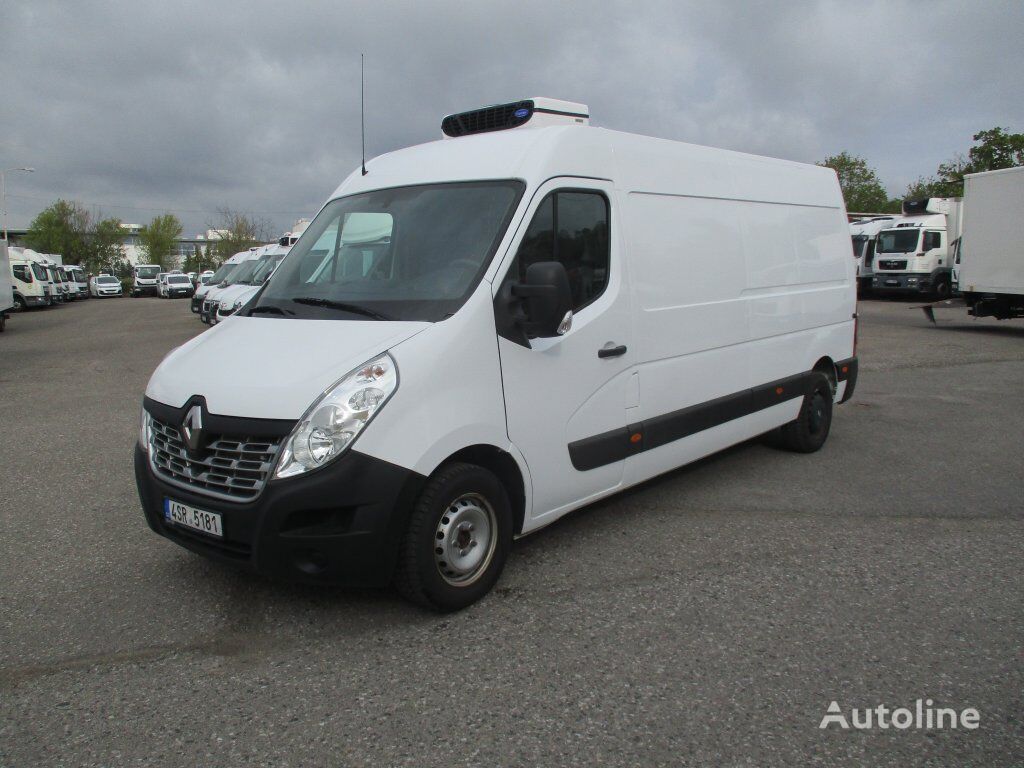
[[159, 240], [997, 149], [862, 190], [239, 232], [61, 229], [107, 245]]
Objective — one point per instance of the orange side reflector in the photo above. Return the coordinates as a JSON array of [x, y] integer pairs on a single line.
[[778, 390], [846, 369], [636, 438]]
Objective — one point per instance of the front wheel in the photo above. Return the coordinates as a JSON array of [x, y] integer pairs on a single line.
[[809, 431], [941, 290], [19, 303], [458, 539]]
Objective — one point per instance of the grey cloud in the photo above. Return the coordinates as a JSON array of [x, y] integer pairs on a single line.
[[194, 106]]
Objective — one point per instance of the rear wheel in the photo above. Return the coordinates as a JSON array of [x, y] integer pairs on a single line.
[[459, 535], [809, 431]]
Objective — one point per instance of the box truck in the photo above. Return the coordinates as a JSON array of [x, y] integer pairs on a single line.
[[989, 262], [544, 317], [6, 285], [31, 279]]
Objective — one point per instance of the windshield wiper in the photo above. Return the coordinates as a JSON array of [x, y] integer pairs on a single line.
[[269, 308], [342, 305]]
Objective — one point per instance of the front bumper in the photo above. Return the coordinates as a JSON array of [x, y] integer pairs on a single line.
[[36, 301], [902, 282], [141, 290], [197, 303], [109, 293], [179, 293], [338, 525]]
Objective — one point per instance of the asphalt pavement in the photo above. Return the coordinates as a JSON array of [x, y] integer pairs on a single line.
[[708, 617]]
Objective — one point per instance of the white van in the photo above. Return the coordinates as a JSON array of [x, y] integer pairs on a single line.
[[234, 297], [240, 273], [213, 280], [525, 321], [79, 282]]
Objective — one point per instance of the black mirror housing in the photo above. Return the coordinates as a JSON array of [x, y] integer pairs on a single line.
[[546, 298]]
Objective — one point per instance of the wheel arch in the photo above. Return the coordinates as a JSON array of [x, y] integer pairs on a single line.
[[827, 366], [505, 468]]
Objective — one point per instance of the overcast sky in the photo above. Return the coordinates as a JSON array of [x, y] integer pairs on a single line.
[[136, 108]]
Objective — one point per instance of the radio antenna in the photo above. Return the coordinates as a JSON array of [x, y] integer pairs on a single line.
[[362, 109]]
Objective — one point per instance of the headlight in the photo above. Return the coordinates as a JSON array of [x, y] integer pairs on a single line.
[[337, 417], [144, 431]]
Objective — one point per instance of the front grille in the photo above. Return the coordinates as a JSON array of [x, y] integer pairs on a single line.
[[226, 311], [892, 264], [231, 468]]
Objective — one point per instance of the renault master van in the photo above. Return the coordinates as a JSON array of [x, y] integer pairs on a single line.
[[486, 332]]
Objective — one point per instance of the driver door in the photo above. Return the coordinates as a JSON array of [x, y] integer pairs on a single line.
[[566, 396]]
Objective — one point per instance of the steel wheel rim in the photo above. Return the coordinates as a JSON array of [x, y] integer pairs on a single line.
[[465, 539]]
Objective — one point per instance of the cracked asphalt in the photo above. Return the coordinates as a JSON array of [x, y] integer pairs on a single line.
[[705, 618]]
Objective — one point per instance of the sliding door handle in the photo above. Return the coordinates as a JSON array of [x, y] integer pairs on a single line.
[[612, 351]]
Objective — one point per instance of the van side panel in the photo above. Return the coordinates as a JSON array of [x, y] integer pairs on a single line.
[[731, 295]]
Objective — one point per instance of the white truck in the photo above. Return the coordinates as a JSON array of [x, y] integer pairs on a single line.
[[863, 233], [6, 285], [912, 253], [989, 260], [145, 279], [31, 279]]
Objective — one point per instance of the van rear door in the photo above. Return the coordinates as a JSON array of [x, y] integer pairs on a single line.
[[566, 396]]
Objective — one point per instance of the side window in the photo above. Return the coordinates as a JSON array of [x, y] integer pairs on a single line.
[[21, 272], [570, 227], [932, 240]]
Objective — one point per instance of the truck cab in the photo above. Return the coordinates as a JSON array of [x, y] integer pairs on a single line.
[[863, 233], [31, 281], [144, 280], [912, 252]]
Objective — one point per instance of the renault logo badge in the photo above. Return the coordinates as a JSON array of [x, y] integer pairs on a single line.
[[192, 429]]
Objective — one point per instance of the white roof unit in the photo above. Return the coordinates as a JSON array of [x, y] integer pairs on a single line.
[[528, 113]]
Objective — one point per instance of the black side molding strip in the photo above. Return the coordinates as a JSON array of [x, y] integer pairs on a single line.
[[616, 445]]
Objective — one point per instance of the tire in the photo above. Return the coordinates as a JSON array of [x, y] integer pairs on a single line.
[[809, 431], [460, 505], [3, 322], [19, 303], [941, 290]]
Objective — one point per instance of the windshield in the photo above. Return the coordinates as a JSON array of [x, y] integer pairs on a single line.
[[178, 279], [407, 253], [243, 275], [266, 268], [898, 240], [38, 271], [106, 279], [859, 241], [147, 271], [53, 274], [78, 275], [206, 279]]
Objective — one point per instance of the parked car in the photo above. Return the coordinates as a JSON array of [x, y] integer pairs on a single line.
[[482, 334], [175, 285], [104, 286]]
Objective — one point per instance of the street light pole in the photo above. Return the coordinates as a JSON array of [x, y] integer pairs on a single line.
[[3, 192]]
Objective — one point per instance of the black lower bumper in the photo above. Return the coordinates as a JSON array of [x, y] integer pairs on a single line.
[[901, 283], [846, 370], [338, 525]]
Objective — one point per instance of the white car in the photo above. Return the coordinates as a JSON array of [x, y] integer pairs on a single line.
[[482, 334], [104, 286]]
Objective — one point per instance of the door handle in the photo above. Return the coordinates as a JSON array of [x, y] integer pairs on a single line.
[[612, 351]]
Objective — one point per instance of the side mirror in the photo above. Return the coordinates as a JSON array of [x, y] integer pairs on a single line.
[[546, 298]]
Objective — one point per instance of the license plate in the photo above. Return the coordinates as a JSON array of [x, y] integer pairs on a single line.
[[892, 282], [190, 517]]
